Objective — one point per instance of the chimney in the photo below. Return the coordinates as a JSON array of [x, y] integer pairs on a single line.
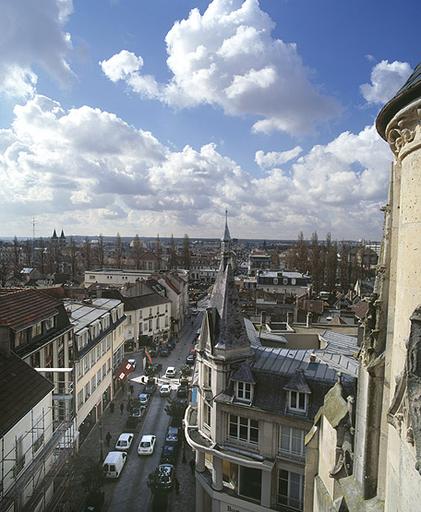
[[5, 341], [308, 319], [313, 358]]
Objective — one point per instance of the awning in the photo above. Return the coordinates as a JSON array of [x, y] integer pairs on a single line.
[[123, 370]]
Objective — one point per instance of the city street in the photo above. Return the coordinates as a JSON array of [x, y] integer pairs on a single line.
[[130, 492]]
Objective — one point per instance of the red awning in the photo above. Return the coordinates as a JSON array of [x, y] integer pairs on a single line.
[[123, 370]]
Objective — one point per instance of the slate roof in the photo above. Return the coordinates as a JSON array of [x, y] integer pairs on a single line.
[[144, 301], [298, 383], [243, 374], [33, 387], [22, 308], [406, 94]]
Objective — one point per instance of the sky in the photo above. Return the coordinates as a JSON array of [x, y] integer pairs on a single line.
[[134, 116]]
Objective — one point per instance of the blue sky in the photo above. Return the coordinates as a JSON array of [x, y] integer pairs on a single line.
[[264, 108]]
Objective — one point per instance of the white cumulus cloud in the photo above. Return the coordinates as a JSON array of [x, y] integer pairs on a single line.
[[386, 79], [91, 170], [274, 158], [32, 34], [228, 57]]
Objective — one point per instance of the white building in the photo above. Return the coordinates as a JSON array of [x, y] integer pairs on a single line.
[[99, 350], [30, 457], [289, 283], [115, 277]]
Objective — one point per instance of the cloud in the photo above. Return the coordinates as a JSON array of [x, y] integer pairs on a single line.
[[228, 57], [386, 79], [90, 166], [273, 158], [32, 35]]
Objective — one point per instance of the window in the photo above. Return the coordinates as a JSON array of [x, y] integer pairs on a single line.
[[92, 358], [20, 456], [80, 399], [293, 282], [290, 489], [98, 377], [206, 414], [207, 376], [244, 391], [93, 384], [104, 370], [98, 352], [291, 440], [87, 391], [36, 329], [297, 401], [91, 277], [285, 281], [49, 323], [85, 364], [243, 429], [251, 483]]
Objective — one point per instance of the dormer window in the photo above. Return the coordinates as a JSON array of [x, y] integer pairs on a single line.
[[297, 401], [244, 391]]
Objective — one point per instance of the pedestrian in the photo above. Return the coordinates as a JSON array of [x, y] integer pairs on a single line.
[[177, 485], [192, 464], [128, 405], [108, 439], [121, 409], [131, 389], [111, 407]]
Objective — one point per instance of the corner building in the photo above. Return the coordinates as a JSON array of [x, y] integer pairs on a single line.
[[253, 409]]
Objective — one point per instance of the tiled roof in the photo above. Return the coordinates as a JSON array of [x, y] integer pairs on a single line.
[[17, 375], [22, 308]]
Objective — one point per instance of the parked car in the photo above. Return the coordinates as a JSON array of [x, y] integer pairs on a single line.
[[172, 436], [132, 362], [150, 387], [166, 475], [146, 445], [165, 390], [143, 399], [124, 441], [137, 411], [183, 390], [170, 372], [169, 454], [190, 359], [114, 464], [164, 352]]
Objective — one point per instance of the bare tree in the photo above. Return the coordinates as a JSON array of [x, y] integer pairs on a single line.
[[87, 253], [118, 251], [331, 263], [137, 251], [73, 258], [101, 251], [158, 251], [316, 263], [186, 252]]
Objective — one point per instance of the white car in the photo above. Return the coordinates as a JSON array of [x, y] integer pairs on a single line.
[[146, 445], [124, 441], [170, 372], [165, 390], [132, 362]]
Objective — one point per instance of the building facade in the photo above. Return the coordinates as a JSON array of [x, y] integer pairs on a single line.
[[289, 283], [253, 408]]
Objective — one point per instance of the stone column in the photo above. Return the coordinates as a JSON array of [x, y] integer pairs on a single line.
[[265, 500], [200, 461], [217, 483], [403, 133]]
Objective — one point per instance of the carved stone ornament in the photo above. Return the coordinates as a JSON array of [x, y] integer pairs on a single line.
[[403, 129], [344, 457], [405, 410]]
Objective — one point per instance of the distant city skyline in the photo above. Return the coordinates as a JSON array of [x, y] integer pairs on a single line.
[[155, 117]]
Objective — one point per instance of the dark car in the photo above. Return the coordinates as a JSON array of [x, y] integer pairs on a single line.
[[150, 387], [172, 436], [137, 411], [190, 359], [169, 454], [164, 352], [172, 344], [166, 476], [183, 390]]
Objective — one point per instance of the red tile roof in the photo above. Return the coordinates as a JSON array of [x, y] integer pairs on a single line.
[[22, 308]]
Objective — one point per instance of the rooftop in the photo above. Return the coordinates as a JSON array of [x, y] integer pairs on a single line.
[[84, 314]]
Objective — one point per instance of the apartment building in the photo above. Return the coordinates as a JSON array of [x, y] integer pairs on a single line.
[[41, 334], [115, 277], [99, 355], [253, 408], [289, 283], [33, 447]]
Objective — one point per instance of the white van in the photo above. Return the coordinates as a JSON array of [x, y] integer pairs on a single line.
[[113, 464]]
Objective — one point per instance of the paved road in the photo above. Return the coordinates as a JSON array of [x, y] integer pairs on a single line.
[[130, 492]]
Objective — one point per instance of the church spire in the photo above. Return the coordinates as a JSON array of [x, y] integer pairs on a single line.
[[226, 244], [227, 236]]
